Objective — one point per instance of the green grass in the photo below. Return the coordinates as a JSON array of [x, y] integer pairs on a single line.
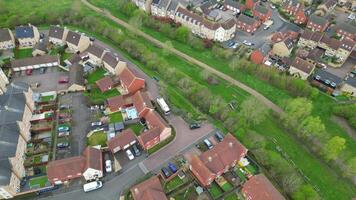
[[240, 174], [226, 186], [22, 53], [38, 181], [185, 194], [98, 138], [98, 97], [136, 128], [36, 159], [116, 117], [173, 184], [96, 75], [215, 190], [47, 98], [232, 196], [251, 169]]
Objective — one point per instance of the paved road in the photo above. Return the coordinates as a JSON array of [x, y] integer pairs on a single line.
[[253, 92], [184, 138]]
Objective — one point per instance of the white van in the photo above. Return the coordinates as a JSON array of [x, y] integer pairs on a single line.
[[92, 186]]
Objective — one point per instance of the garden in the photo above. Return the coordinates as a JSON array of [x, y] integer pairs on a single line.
[[98, 138], [116, 117], [22, 53], [38, 182]]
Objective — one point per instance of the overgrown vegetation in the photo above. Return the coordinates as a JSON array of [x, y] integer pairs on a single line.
[[347, 111]]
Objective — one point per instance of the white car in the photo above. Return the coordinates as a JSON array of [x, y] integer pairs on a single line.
[[62, 134], [130, 155], [351, 16], [108, 167], [96, 123], [272, 6], [245, 42]]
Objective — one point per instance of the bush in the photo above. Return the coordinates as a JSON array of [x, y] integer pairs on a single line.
[[348, 112]]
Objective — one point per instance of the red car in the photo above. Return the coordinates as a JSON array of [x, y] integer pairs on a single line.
[[29, 72], [63, 79]]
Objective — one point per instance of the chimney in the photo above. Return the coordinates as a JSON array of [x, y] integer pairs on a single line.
[[230, 144], [136, 190], [210, 159]]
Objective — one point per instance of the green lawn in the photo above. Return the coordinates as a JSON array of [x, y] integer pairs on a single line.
[[186, 194], [173, 183], [215, 190], [136, 128], [47, 98], [96, 75], [240, 174], [226, 186], [98, 97], [116, 117], [252, 169], [98, 138], [38, 182], [22, 53], [232, 196]]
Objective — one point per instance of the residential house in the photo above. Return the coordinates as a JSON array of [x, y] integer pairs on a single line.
[[89, 165], [112, 63], [142, 103], [326, 7], [296, 9], [189, 19], [331, 45], [105, 84], [143, 5], [249, 4], [309, 39], [117, 103], [171, 10], [301, 68], [317, 23], [258, 187], [27, 36], [7, 40], [96, 54], [283, 48], [314, 55], [131, 81], [159, 7], [349, 86], [76, 79], [77, 42], [16, 107], [279, 36], [232, 5], [261, 55], [4, 81], [122, 141], [40, 48], [346, 30], [347, 46], [158, 130], [326, 78], [57, 35], [247, 24], [150, 189], [262, 13], [218, 160], [34, 62]]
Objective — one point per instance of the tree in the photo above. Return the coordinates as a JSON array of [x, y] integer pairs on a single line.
[[305, 192], [312, 126], [182, 34], [333, 147], [291, 182], [297, 109], [136, 21], [255, 140], [253, 111], [350, 170]]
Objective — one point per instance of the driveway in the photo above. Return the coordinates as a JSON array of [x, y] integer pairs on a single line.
[[183, 140]]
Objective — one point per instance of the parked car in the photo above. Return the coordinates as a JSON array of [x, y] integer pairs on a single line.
[[272, 6], [63, 128], [166, 172], [219, 136], [62, 134], [208, 144], [63, 79], [29, 72], [108, 167], [155, 78], [247, 43], [42, 35], [92, 39], [136, 151], [92, 186], [64, 106], [194, 125], [62, 145], [172, 167], [129, 154], [43, 70], [96, 124]]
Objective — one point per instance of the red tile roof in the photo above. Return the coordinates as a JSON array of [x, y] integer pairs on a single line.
[[257, 57], [121, 140], [105, 84], [200, 171], [150, 189], [224, 154], [69, 168], [131, 80], [155, 124], [117, 102], [94, 158], [260, 188], [142, 102]]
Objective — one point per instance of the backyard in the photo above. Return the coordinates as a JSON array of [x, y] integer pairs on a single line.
[[215, 190], [96, 75], [98, 97], [173, 184], [116, 117], [22, 53], [136, 128], [98, 138], [38, 182]]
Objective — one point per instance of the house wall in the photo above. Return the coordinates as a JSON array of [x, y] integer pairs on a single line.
[[84, 43], [342, 54], [349, 89], [151, 143], [281, 50], [120, 66], [307, 43], [61, 41], [29, 42], [296, 72], [345, 34], [109, 68], [3, 82], [165, 133], [92, 174], [7, 44], [5, 193], [316, 27], [95, 60], [76, 88]]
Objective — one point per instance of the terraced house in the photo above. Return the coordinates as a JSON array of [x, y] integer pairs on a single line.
[[16, 107], [57, 35], [27, 36], [345, 30], [77, 42], [316, 23], [296, 9], [7, 39]]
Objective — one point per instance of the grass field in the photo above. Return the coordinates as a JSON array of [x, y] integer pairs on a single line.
[[22, 53], [116, 117], [98, 138]]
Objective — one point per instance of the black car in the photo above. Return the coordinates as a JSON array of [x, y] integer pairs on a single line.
[[166, 172], [42, 70], [135, 150], [219, 136], [194, 125]]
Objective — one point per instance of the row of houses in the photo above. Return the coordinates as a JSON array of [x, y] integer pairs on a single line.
[[25, 36], [76, 42], [16, 107]]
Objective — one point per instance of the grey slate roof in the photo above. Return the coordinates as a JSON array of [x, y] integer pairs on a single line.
[[45, 59], [4, 35], [289, 43], [347, 27], [265, 49], [318, 20], [164, 3], [56, 32], [73, 37], [246, 19], [24, 32], [76, 72], [232, 3], [261, 9], [96, 50], [111, 59], [155, 2], [12, 104]]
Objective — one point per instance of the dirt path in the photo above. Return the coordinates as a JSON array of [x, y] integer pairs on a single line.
[[343, 123], [253, 92]]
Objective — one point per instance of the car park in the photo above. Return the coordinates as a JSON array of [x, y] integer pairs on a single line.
[[108, 167], [172, 167], [194, 125], [208, 144], [92, 186], [166, 172], [62, 145], [218, 136], [129, 154], [136, 151], [62, 134]]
